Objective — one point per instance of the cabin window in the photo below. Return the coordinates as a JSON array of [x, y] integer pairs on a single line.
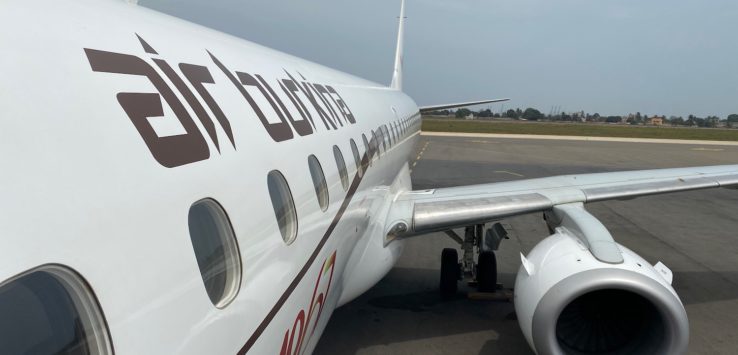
[[383, 136], [341, 164], [357, 158], [367, 150], [50, 310], [321, 188], [387, 136], [284, 206], [374, 143], [391, 135], [216, 251]]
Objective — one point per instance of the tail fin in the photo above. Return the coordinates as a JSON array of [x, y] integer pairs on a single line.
[[397, 73]]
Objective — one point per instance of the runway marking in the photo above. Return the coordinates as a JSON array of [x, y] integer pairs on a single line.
[[703, 149], [509, 172], [483, 142], [422, 150]]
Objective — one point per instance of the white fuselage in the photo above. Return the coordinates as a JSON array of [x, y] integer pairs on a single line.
[[84, 187]]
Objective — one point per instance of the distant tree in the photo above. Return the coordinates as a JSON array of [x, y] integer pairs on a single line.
[[485, 113], [712, 121], [532, 114], [733, 118], [674, 120], [691, 120], [462, 112], [440, 113], [613, 119], [511, 113]]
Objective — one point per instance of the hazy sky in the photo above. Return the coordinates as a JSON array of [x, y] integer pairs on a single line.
[[673, 57]]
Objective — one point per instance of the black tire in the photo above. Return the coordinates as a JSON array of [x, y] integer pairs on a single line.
[[487, 272], [449, 273]]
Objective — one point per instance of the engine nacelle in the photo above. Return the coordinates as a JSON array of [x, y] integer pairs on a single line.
[[568, 301]]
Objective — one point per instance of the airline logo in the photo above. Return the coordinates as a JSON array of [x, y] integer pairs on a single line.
[[313, 102], [295, 339]]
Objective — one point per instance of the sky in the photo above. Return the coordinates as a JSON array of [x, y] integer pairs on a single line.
[[613, 57]]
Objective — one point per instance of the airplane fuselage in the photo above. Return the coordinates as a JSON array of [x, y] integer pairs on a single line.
[[118, 119]]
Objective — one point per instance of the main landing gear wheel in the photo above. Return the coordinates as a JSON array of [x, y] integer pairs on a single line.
[[450, 273], [487, 272]]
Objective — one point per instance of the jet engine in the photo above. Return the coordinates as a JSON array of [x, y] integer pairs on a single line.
[[579, 292]]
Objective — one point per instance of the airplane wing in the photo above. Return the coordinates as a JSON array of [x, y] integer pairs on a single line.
[[458, 104], [424, 211]]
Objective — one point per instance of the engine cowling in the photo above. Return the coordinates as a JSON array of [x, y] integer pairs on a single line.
[[570, 302]]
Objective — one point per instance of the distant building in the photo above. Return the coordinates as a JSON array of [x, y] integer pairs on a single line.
[[469, 116], [655, 121]]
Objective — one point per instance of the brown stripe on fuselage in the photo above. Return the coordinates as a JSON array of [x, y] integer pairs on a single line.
[[291, 288]]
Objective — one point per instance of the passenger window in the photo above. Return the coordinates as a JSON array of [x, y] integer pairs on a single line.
[[341, 167], [50, 310], [374, 143], [357, 158], [387, 136], [321, 188], [367, 150], [384, 136], [378, 140], [284, 206], [216, 251]]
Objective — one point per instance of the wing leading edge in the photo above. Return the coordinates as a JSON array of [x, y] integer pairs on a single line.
[[424, 109], [446, 208]]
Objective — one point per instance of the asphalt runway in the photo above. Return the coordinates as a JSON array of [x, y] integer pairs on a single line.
[[693, 233]]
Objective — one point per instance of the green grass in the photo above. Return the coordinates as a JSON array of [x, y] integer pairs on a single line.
[[578, 129]]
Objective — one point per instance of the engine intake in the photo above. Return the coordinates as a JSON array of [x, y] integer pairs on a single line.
[[609, 311], [569, 302], [610, 321]]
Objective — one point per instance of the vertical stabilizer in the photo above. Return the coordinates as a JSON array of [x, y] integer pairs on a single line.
[[397, 73]]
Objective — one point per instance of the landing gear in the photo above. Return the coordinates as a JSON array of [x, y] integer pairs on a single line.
[[487, 272], [450, 273], [479, 262]]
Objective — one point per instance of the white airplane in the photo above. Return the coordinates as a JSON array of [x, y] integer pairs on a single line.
[[169, 189]]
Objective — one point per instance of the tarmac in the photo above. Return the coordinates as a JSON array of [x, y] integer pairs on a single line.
[[693, 233]]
